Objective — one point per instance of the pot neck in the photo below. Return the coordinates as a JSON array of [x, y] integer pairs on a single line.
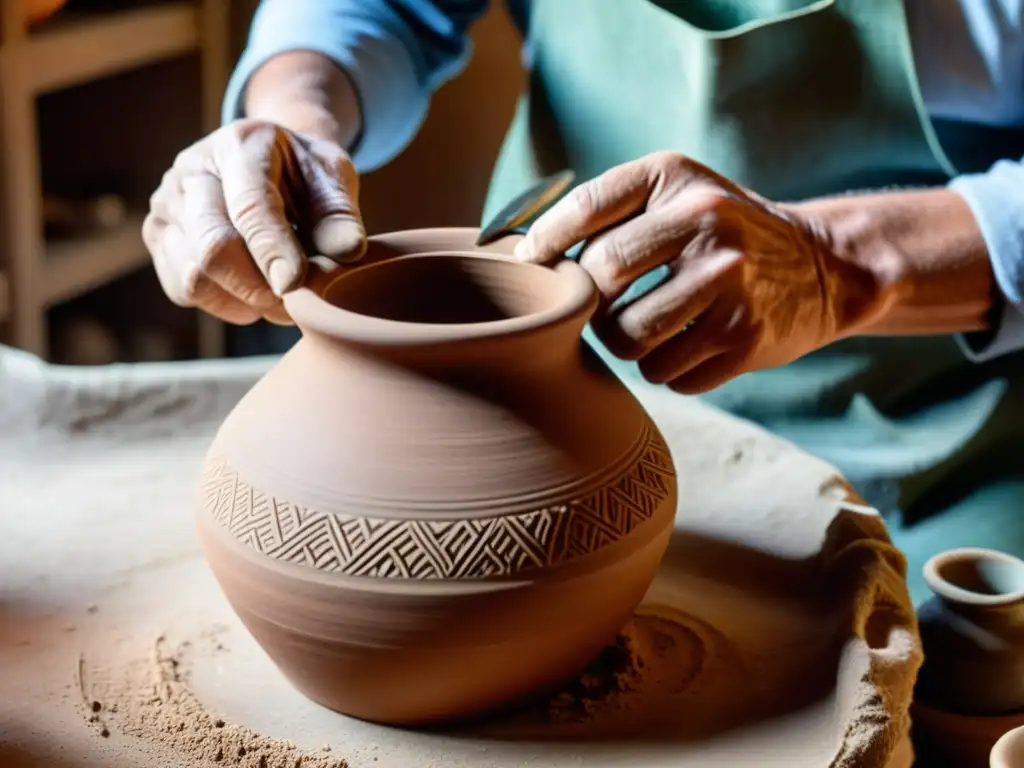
[[1010, 614], [506, 355], [375, 312], [979, 584]]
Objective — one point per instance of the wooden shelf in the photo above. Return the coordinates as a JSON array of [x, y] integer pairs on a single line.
[[71, 49], [89, 47], [76, 266]]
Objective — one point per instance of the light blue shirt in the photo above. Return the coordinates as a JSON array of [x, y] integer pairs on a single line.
[[969, 56]]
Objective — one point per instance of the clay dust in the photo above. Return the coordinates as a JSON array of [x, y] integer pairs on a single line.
[[651, 656], [150, 699]]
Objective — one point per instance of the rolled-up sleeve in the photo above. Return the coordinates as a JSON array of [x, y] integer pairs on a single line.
[[396, 52], [997, 200]]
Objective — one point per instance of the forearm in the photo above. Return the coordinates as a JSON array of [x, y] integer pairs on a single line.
[[308, 93], [359, 71], [908, 263]]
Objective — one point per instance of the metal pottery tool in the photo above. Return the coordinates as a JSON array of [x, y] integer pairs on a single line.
[[510, 219]]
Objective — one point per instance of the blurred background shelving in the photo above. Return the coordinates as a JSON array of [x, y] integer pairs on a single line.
[[95, 101]]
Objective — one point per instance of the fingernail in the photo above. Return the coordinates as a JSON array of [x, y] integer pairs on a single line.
[[340, 237], [521, 251], [281, 276]]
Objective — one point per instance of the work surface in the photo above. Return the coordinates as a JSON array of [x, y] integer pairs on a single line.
[[788, 635]]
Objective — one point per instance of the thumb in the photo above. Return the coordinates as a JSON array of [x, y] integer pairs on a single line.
[[340, 237], [332, 189]]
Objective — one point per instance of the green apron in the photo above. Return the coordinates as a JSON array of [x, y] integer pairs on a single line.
[[793, 99]]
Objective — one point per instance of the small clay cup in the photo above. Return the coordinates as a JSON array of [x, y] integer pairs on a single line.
[[1009, 750], [439, 502], [972, 633]]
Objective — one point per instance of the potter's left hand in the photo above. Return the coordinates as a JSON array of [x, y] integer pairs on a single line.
[[755, 283]]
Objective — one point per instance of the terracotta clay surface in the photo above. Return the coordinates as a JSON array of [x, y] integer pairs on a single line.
[[782, 634], [973, 633], [439, 501]]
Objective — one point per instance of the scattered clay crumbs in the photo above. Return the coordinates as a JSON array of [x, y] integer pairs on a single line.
[[150, 699], [152, 702], [650, 654], [615, 671]]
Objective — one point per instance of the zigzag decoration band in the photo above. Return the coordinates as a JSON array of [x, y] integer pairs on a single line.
[[451, 549]]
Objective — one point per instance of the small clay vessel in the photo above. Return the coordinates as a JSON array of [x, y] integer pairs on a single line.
[[440, 501], [1009, 750], [972, 633]]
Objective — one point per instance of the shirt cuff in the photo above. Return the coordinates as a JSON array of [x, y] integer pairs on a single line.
[[366, 39], [1006, 337], [996, 199]]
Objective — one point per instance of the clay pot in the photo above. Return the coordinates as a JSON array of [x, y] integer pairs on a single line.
[[1009, 750], [972, 633], [439, 502]]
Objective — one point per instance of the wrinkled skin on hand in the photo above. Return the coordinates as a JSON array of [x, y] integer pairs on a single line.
[[752, 284], [236, 216]]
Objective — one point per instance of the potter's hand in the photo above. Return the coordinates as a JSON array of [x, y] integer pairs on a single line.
[[752, 280], [220, 227]]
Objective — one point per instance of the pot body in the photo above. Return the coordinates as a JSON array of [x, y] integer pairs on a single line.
[[972, 633], [413, 542]]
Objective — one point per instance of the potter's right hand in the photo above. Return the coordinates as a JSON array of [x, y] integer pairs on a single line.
[[233, 219]]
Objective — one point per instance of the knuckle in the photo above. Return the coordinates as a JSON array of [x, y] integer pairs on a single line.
[[587, 199], [150, 234], [169, 180], [253, 294], [168, 183], [250, 209], [259, 217], [159, 201], [191, 288], [174, 289], [184, 159], [209, 254], [178, 298], [247, 130], [610, 263], [668, 163], [643, 327], [710, 206], [211, 235], [671, 158]]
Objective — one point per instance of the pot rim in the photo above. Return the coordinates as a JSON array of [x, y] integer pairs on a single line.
[[950, 591], [312, 310]]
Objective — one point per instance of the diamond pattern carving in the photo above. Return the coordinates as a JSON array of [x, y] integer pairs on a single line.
[[447, 549]]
